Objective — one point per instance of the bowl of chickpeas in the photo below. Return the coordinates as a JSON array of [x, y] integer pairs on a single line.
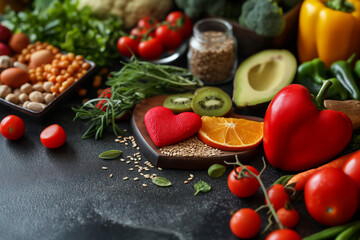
[[47, 82]]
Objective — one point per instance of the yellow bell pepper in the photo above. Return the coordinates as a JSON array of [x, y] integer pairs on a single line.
[[328, 34]]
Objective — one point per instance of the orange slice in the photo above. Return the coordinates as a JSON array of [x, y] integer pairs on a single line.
[[230, 134]]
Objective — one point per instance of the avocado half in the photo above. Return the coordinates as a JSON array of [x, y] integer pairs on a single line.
[[261, 76]]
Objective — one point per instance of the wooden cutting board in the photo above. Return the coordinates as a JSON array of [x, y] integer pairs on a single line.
[[153, 153]]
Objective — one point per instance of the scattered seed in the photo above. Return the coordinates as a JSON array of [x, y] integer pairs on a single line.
[[135, 179], [160, 169], [111, 175], [121, 159], [191, 175], [144, 185], [104, 168], [136, 162], [137, 148], [131, 169], [190, 178], [186, 182], [125, 178], [126, 144], [127, 162], [147, 175]]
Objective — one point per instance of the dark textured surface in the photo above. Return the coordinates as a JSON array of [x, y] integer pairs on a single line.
[[64, 193]]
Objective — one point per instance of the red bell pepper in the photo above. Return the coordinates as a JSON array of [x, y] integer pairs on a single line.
[[299, 135]]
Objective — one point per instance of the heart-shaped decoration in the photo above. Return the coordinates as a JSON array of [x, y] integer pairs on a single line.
[[297, 136], [166, 128]]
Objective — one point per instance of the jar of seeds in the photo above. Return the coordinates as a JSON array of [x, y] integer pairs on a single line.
[[212, 51]]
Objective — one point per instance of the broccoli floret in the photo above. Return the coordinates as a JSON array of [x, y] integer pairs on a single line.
[[195, 8], [264, 17]]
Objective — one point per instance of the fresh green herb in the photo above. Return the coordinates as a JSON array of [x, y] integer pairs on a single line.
[[136, 81], [216, 170], [201, 186], [111, 154], [71, 29], [161, 182], [283, 180]]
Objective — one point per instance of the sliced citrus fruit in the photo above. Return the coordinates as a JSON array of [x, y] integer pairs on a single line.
[[230, 134]]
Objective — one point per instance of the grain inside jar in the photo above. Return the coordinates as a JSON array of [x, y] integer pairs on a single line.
[[212, 51]]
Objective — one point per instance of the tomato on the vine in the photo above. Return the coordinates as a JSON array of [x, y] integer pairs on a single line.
[[278, 196], [289, 217], [12, 127], [147, 22], [245, 186], [169, 36], [331, 196], [352, 169], [150, 49], [53, 136], [140, 33], [127, 46], [179, 19], [245, 223], [283, 234]]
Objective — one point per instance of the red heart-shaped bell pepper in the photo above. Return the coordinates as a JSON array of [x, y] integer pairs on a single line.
[[166, 128], [299, 136]]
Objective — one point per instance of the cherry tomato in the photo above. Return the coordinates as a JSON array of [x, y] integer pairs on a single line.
[[245, 223], [245, 186], [12, 127], [182, 21], [278, 196], [170, 38], [147, 22], [140, 33], [283, 234], [352, 169], [288, 217], [150, 49], [104, 94], [53, 136], [127, 46], [331, 196]]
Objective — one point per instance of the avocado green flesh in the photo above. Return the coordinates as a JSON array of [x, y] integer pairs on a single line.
[[262, 75]]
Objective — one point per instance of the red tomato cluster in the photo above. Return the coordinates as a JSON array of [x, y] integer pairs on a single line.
[[12, 127], [150, 38], [246, 223]]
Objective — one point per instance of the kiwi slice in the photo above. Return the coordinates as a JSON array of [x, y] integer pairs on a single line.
[[179, 102], [211, 101]]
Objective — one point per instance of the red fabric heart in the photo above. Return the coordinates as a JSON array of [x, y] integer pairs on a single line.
[[166, 128]]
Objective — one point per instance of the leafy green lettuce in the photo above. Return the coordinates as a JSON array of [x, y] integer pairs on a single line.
[[71, 29]]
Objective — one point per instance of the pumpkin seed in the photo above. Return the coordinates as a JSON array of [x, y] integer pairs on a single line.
[[111, 154]]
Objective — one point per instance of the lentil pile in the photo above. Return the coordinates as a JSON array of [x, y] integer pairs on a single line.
[[191, 147], [213, 59]]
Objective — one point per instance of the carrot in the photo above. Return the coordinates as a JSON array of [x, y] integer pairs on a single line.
[[301, 178]]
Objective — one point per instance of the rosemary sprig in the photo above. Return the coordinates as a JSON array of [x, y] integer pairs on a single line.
[[136, 81]]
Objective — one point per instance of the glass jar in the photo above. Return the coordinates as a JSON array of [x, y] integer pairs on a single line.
[[212, 51]]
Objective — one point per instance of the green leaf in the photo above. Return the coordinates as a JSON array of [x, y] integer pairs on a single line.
[[111, 154], [216, 170], [201, 186], [161, 182]]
